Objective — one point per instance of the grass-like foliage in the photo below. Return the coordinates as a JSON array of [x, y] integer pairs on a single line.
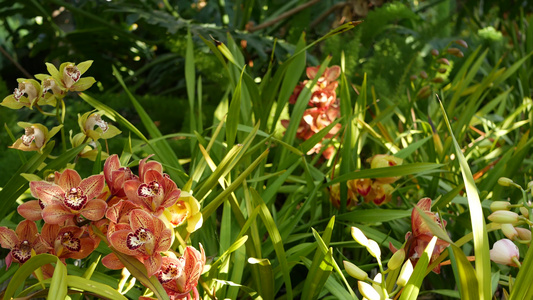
[[266, 150]]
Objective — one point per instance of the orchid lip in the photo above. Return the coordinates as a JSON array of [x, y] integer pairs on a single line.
[[75, 199]]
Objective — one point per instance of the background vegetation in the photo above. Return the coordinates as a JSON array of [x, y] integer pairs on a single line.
[[388, 89]]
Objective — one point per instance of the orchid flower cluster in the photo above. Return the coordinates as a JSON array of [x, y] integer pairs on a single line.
[[51, 91], [505, 251], [405, 258], [378, 191], [324, 108], [134, 215]]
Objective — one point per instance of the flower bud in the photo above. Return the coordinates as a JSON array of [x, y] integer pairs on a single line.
[[437, 80], [509, 231], [442, 70], [424, 92], [367, 290], [354, 271], [405, 273], [455, 52], [525, 212], [504, 216], [359, 236], [500, 205], [504, 181], [461, 43], [413, 77], [530, 187], [396, 259], [443, 61], [373, 249], [523, 233], [423, 74], [434, 52], [503, 252]]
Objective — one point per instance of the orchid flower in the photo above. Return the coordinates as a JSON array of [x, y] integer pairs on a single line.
[[154, 191], [23, 242], [68, 77], [70, 197], [115, 176], [145, 239]]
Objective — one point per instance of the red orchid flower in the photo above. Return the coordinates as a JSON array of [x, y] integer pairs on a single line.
[[115, 176], [69, 198], [417, 241], [145, 238], [179, 276], [68, 241], [154, 191], [22, 241]]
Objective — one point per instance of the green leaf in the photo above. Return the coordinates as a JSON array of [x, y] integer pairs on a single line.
[[374, 215], [26, 269], [411, 290], [58, 285], [276, 241], [465, 275], [103, 290], [479, 230]]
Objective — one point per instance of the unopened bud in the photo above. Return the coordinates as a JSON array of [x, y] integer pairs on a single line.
[[500, 205], [367, 290], [405, 273], [504, 181], [434, 52], [509, 231], [396, 259], [423, 74], [354, 271], [442, 70], [413, 77], [504, 216], [359, 236], [373, 249], [455, 52], [523, 233], [461, 43], [525, 212], [424, 92], [443, 61], [438, 80]]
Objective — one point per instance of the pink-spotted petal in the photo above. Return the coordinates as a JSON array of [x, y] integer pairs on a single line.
[[112, 163], [94, 210], [30, 210], [112, 262], [75, 199], [27, 230], [119, 241], [22, 252], [153, 175], [141, 219], [165, 240], [152, 264], [122, 208], [47, 192], [8, 238], [171, 198], [56, 214], [92, 186], [69, 179]]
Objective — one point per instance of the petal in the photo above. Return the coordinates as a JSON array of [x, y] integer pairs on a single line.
[[171, 199], [119, 241], [27, 230], [92, 186], [87, 247], [112, 163], [153, 175], [112, 262], [56, 214], [332, 73], [164, 240], [49, 232], [69, 179], [122, 208], [8, 238], [47, 192], [30, 210], [152, 264], [94, 210], [141, 219]]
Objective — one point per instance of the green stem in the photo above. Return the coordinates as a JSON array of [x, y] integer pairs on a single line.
[[61, 119], [39, 108]]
